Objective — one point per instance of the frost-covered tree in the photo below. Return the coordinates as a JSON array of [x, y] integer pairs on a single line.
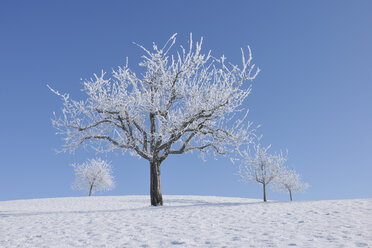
[[261, 167], [93, 175], [178, 102], [289, 180]]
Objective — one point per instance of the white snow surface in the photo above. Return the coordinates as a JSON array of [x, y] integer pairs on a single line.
[[184, 221]]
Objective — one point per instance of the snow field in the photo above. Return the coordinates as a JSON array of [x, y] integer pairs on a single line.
[[184, 221]]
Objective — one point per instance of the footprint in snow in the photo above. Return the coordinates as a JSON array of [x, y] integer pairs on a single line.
[[177, 243], [361, 244]]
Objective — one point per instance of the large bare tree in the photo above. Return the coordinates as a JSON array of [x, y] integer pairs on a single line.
[[180, 101]]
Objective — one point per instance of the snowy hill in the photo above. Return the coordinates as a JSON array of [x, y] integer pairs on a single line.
[[184, 221]]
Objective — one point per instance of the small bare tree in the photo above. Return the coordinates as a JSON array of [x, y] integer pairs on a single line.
[[93, 175], [289, 180], [262, 167], [182, 101]]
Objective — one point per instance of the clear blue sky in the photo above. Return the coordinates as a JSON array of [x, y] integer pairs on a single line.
[[313, 96]]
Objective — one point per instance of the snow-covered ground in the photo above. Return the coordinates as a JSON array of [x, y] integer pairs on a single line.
[[184, 221]]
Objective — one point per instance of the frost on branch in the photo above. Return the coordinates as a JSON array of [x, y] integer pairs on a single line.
[[93, 175], [261, 167], [183, 101], [289, 180]]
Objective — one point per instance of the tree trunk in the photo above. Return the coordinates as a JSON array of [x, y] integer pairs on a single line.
[[91, 189], [155, 187], [264, 192], [290, 194]]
